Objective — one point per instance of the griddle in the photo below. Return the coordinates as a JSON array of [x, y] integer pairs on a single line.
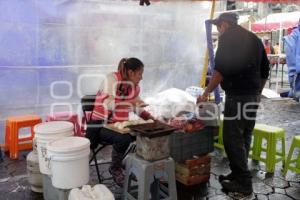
[[152, 130]]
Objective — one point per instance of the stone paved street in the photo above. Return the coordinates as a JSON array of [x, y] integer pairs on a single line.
[[283, 113]]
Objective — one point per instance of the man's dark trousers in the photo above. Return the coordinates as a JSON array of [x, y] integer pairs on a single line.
[[239, 121]]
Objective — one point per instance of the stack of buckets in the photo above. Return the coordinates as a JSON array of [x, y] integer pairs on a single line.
[[62, 157]]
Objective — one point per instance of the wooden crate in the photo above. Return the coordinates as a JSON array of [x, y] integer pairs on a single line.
[[193, 171]]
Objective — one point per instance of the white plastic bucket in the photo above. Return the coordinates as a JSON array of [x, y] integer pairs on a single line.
[[47, 132], [69, 162]]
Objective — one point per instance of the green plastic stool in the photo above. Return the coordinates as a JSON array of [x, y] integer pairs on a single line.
[[293, 165], [271, 134], [219, 144]]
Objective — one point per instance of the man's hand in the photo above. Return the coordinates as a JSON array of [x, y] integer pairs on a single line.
[[216, 79], [202, 98]]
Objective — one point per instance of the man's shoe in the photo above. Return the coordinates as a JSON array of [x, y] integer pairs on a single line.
[[228, 177], [235, 186]]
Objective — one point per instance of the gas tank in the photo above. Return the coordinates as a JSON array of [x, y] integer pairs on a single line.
[[34, 175]]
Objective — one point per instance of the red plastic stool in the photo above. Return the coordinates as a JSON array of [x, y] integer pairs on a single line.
[[13, 143], [66, 116]]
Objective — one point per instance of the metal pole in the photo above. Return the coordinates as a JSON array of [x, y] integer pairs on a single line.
[[205, 68], [278, 60]]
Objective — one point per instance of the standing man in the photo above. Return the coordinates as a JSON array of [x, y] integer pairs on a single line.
[[268, 47], [277, 49], [242, 68]]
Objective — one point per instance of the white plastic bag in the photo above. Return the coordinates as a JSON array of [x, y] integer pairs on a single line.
[[194, 91], [167, 104], [209, 113], [98, 192]]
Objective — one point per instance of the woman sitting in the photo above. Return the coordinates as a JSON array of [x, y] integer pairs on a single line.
[[118, 95]]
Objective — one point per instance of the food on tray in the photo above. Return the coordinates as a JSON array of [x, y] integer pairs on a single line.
[[187, 122], [122, 125]]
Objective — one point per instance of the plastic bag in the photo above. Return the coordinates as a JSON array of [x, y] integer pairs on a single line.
[[167, 104], [98, 192]]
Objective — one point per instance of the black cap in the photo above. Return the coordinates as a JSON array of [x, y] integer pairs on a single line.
[[228, 17]]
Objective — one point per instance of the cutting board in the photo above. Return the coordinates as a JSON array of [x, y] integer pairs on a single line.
[[113, 128]]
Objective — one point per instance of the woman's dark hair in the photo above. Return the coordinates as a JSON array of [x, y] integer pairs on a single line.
[[126, 64]]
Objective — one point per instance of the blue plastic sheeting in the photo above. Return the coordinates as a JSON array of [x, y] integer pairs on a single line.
[[53, 52], [292, 42], [24, 25], [211, 57]]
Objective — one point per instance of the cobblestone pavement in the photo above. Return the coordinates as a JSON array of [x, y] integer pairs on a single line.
[[283, 113]]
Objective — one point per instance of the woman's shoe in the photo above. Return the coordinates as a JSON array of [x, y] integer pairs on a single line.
[[118, 175]]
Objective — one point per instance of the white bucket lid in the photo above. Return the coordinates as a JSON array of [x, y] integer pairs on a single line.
[[53, 127], [69, 144]]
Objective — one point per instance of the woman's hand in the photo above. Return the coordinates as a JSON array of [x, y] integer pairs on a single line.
[[151, 117], [138, 103]]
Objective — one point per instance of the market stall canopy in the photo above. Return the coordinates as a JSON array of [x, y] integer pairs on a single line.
[[274, 1], [276, 21]]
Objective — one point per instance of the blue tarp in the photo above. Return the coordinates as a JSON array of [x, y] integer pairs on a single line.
[[292, 44], [211, 57], [52, 52]]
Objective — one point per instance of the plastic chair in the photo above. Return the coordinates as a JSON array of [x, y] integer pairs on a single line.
[[13, 143], [219, 144], [66, 116], [149, 173], [293, 165], [87, 105], [271, 134]]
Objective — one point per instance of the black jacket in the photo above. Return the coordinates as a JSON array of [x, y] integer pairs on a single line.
[[242, 61]]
